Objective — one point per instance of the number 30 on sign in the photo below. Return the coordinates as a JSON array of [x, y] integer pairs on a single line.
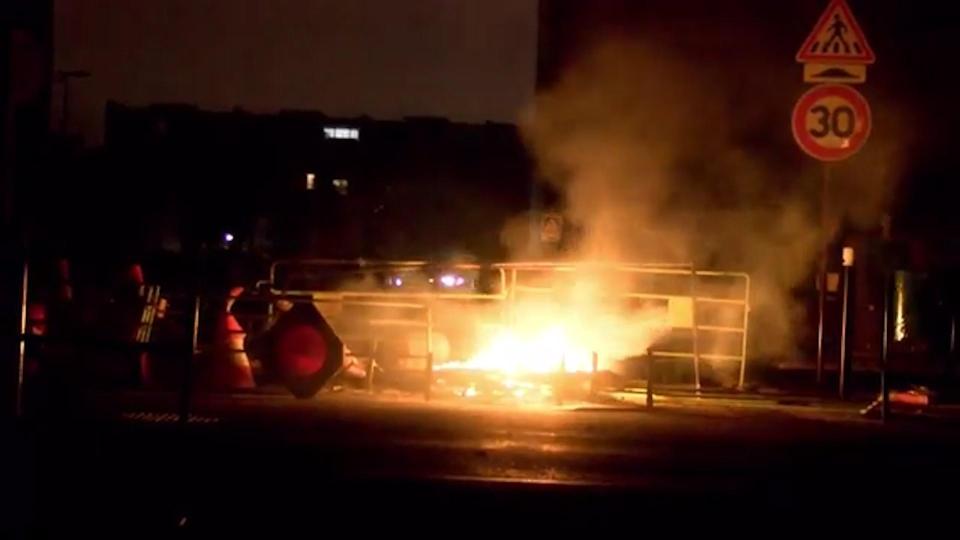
[[831, 122]]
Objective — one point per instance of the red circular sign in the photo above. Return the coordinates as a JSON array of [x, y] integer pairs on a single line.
[[831, 122]]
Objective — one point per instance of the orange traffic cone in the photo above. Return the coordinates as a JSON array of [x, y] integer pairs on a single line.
[[231, 367]]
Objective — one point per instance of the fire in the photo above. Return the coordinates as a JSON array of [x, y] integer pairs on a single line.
[[548, 350], [570, 324], [549, 342]]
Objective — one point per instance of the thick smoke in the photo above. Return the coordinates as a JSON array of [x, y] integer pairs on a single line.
[[660, 160]]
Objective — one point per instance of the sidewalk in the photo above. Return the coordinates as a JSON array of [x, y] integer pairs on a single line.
[[795, 404], [805, 405]]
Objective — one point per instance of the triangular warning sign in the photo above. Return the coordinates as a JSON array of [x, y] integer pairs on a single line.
[[837, 38]]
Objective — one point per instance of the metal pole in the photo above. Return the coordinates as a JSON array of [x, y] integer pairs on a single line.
[[885, 350], [513, 295], [650, 373], [429, 366], [952, 346], [21, 357], [822, 278], [372, 365], [187, 382], [693, 321], [844, 356], [195, 334], [593, 374], [428, 387], [743, 338], [558, 385]]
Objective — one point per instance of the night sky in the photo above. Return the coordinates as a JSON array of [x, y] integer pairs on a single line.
[[466, 60]]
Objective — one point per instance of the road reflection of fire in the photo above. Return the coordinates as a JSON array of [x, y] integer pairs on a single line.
[[493, 386]]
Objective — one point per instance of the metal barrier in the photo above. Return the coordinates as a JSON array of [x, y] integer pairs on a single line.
[[685, 306], [694, 308], [139, 342], [404, 309], [413, 310]]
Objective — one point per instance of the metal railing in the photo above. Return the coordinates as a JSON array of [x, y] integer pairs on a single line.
[[694, 294], [414, 311]]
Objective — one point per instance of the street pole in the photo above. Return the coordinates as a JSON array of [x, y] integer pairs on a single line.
[[885, 349], [22, 343], [822, 278], [845, 323]]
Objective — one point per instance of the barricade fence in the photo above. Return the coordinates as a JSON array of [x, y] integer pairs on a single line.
[[392, 317]]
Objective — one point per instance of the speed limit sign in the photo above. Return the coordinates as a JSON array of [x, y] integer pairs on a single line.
[[831, 122]]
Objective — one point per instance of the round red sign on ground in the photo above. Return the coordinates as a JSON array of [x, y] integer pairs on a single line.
[[831, 122]]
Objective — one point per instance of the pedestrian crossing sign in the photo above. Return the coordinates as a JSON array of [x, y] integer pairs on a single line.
[[836, 39]]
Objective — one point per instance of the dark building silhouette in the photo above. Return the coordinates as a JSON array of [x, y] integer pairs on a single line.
[[305, 184], [25, 82]]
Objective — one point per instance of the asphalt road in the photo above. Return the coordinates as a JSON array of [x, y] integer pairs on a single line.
[[258, 462]]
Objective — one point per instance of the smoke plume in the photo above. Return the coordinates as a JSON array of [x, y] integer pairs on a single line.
[[660, 159]]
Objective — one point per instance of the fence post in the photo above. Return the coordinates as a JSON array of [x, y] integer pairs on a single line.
[[429, 382], [746, 326], [650, 373], [186, 384], [593, 374], [885, 349], [372, 365], [558, 385], [693, 320]]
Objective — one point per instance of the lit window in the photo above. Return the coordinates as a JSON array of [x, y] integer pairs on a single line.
[[310, 180], [341, 185], [331, 132]]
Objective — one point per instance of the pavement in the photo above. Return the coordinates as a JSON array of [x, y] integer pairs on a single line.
[[124, 464]]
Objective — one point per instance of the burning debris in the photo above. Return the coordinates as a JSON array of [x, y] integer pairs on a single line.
[[580, 329]]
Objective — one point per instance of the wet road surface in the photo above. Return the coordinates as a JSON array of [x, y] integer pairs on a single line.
[[267, 461]]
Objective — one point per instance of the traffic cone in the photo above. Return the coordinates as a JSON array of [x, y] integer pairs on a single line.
[[231, 367]]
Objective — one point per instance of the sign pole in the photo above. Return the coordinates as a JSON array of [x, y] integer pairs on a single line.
[[830, 123]]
